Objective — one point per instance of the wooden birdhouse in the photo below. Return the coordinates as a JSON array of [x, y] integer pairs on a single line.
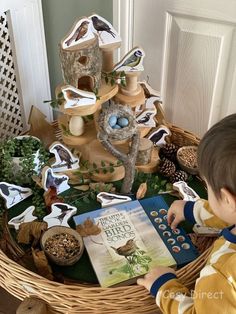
[[81, 57]]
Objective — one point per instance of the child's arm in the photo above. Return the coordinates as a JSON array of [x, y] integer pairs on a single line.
[[213, 291], [198, 212]]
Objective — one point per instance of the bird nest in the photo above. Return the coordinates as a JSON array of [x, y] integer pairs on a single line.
[[119, 111]]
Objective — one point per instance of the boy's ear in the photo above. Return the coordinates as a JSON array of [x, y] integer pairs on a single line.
[[228, 198]]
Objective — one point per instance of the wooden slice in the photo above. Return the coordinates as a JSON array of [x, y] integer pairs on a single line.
[[94, 152], [133, 100], [32, 306], [152, 166]]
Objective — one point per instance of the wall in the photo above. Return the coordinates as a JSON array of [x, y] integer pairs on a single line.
[[59, 16]]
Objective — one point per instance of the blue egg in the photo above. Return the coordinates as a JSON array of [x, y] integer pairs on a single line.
[[116, 126], [123, 122], [112, 120]]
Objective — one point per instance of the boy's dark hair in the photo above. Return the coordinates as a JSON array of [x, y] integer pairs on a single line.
[[217, 156]]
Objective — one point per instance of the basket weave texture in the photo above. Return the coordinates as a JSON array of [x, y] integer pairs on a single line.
[[87, 298]]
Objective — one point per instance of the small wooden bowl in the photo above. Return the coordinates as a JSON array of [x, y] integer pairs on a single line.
[[182, 162], [60, 230]]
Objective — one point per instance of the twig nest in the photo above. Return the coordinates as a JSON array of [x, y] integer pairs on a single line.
[[117, 121]]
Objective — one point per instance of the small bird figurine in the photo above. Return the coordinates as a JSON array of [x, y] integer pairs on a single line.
[[52, 181], [158, 138], [75, 96], [64, 155], [144, 119], [126, 250], [80, 32], [111, 197], [60, 215], [132, 61], [101, 26], [108, 199], [12, 192], [185, 191], [26, 216]]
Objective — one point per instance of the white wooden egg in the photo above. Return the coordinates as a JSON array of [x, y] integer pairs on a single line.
[[76, 125]]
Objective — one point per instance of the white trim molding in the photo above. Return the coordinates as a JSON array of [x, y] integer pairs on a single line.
[[123, 22], [30, 53]]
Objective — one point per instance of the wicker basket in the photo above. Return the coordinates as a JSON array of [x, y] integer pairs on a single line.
[[86, 298]]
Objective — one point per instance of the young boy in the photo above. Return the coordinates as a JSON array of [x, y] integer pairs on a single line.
[[215, 289]]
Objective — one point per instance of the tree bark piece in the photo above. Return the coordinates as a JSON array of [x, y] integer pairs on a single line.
[[81, 66]]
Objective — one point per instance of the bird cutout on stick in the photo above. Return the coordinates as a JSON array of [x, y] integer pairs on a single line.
[[109, 199], [80, 32], [49, 180], [65, 160], [187, 193], [158, 137], [13, 194], [132, 61], [60, 215], [26, 216], [107, 35], [75, 97]]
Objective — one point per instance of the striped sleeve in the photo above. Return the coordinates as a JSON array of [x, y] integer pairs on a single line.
[[215, 289], [200, 213]]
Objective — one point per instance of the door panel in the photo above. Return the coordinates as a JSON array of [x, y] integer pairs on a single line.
[[190, 56]]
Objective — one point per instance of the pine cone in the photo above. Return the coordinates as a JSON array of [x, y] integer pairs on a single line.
[[179, 175], [166, 167], [169, 151]]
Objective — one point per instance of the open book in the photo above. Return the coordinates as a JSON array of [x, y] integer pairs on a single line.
[[125, 241]]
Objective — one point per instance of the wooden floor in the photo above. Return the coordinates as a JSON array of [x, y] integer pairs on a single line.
[[8, 304]]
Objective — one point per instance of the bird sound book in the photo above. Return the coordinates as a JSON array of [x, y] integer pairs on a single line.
[[125, 241]]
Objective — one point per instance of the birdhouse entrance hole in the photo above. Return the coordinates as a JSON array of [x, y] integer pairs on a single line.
[[86, 83], [83, 60]]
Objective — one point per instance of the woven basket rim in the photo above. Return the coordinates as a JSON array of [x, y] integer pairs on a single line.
[[88, 298]]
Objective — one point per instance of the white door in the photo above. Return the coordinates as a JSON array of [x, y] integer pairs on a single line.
[[24, 75], [190, 55]]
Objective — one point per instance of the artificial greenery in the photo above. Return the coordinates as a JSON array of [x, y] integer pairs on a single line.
[[115, 77], [156, 183], [55, 103], [38, 202], [25, 149], [88, 169]]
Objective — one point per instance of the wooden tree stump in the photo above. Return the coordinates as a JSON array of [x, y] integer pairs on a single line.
[[82, 64], [144, 151], [32, 306], [108, 134]]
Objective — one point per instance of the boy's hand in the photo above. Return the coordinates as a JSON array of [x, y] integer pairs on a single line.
[[154, 274], [175, 213]]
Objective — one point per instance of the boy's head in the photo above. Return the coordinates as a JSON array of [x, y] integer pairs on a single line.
[[217, 157]]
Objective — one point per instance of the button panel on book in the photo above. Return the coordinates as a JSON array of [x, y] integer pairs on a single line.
[[177, 241]]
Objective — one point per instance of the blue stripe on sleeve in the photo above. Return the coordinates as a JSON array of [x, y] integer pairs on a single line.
[[160, 281], [188, 212]]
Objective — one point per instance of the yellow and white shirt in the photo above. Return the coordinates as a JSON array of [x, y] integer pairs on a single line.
[[215, 289]]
